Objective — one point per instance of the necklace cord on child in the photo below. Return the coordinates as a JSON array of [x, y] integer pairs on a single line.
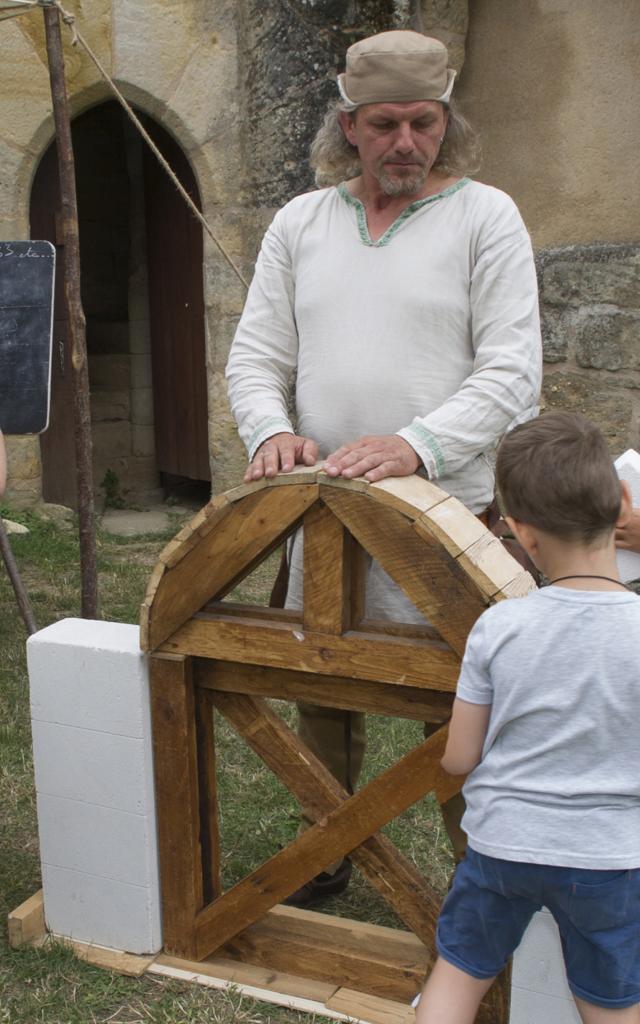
[[588, 576]]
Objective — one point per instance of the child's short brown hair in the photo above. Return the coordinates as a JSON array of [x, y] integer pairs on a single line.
[[556, 473]]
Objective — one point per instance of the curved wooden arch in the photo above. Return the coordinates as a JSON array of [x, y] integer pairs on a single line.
[[238, 529], [208, 654]]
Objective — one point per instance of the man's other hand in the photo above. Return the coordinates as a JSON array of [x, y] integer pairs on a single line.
[[374, 458], [281, 453]]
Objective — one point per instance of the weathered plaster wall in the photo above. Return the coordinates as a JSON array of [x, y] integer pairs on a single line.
[[553, 86]]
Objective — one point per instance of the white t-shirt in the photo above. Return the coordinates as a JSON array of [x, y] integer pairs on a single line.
[[559, 780], [431, 332]]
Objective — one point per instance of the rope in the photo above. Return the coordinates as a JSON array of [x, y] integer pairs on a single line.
[[77, 37], [8, 9]]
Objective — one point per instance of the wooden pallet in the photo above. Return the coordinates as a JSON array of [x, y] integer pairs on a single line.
[[27, 927]]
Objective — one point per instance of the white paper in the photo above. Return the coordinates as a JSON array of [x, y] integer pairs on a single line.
[[628, 468]]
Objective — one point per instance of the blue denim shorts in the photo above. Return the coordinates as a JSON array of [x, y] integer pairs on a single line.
[[492, 901]]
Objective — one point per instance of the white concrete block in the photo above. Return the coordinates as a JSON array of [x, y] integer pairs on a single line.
[[92, 748], [92, 839], [93, 909], [97, 767], [537, 1008], [89, 674], [538, 963]]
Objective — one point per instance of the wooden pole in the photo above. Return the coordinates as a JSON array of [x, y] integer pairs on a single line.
[[75, 315], [16, 582]]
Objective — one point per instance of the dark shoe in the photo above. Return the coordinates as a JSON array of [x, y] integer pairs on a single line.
[[321, 886]]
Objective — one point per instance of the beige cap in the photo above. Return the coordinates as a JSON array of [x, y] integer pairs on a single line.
[[396, 67]]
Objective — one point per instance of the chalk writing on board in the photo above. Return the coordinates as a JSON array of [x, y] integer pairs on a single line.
[[26, 321]]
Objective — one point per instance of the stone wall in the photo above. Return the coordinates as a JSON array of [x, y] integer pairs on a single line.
[[551, 85], [590, 306]]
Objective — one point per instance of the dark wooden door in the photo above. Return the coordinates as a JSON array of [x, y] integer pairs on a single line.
[[176, 300], [57, 445]]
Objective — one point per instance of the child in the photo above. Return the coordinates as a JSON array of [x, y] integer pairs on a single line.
[[546, 721]]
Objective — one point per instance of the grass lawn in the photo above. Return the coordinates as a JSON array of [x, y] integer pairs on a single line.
[[50, 985]]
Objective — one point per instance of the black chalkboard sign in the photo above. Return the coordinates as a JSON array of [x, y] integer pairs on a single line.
[[26, 325]]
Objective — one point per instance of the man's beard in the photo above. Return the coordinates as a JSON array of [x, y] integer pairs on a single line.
[[403, 185]]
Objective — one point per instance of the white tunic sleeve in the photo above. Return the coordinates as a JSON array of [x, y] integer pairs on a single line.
[[265, 348], [504, 385]]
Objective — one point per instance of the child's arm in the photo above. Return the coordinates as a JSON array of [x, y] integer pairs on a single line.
[[467, 732]]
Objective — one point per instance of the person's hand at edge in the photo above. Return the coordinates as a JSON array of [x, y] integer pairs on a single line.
[[628, 536], [374, 458], [280, 453]]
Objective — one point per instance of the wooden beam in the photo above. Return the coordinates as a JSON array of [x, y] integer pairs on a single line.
[[208, 794], [326, 578], [327, 691], [243, 537], [361, 1006], [383, 799], [318, 792], [177, 799], [26, 922], [424, 664], [427, 574], [386, 962]]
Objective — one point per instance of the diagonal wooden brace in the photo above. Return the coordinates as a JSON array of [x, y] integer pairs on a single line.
[[382, 864], [340, 833]]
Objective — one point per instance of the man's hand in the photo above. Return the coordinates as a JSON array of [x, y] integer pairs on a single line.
[[628, 536], [281, 452], [374, 458]]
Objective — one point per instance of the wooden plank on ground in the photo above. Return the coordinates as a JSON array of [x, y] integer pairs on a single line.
[[319, 793], [424, 664], [26, 922], [242, 538], [377, 803], [208, 795], [177, 799], [385, 962], [259, 977], [326, 572], [361, 1006], [111, 959], [327, 691], [427, 574]]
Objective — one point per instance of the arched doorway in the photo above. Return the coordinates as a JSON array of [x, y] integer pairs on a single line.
[[142, 288]]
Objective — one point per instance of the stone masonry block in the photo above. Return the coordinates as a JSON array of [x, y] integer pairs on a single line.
[[99, 697], [142, 440], [140, 369], [536, 1008], [609, 340], [592, 274], [97, 767], [93, 839], [110, 371], [557, 329], [142, 406], [609, 407], [90, 908], [94, 782], [539, 985]]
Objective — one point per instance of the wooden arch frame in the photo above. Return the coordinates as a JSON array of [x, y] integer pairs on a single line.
[[207, 654]]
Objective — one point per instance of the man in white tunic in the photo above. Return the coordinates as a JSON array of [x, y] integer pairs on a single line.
[[405, 298]]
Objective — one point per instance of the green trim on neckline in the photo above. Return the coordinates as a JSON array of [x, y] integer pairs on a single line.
[[361, 215]]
